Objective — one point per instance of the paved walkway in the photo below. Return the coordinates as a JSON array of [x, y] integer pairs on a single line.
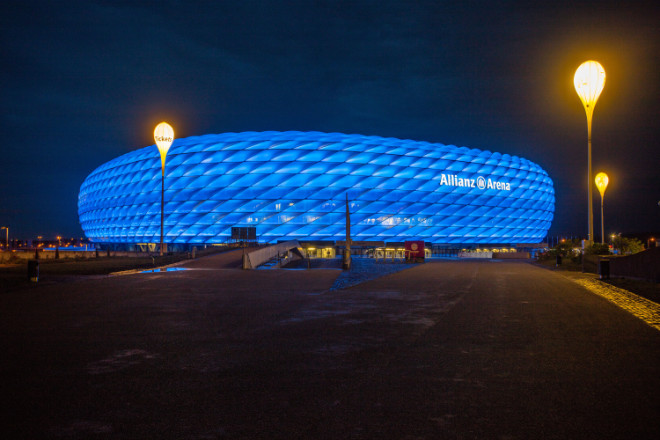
[[366, 269], [447, 349]]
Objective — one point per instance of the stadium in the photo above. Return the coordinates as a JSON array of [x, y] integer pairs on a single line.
[[294, 185]]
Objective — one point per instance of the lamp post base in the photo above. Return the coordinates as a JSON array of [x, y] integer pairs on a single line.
[[346, 264]]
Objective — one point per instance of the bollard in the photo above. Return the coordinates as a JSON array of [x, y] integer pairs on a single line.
[[558, 260], [33, 270], [194, 252], [604, 269]]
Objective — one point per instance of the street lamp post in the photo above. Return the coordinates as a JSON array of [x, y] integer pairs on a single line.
[[164, 136], [589, 81], [601, 183]]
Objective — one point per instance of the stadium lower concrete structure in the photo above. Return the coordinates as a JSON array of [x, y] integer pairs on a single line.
[[293, 185]]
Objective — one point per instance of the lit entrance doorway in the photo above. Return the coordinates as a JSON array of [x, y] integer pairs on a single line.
[[321, 252]]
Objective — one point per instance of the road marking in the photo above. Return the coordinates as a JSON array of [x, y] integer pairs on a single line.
[[642, 308]]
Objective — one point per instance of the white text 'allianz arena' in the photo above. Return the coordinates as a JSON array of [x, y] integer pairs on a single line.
[[293, 185]]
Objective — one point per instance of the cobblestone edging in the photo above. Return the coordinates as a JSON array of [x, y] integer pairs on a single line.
[[363, 269], [642, 308]]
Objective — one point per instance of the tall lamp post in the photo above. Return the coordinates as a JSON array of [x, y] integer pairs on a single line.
[[164, 136], [601, 183], [589, 81]]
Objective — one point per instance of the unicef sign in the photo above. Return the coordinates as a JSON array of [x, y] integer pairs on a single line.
[[480, 182]]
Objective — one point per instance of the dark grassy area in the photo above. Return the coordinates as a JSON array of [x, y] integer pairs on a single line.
[[14, 276], [96, 266]]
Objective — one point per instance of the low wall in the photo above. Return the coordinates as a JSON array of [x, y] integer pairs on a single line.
[[257, 257], [511, 255], [643, 265], [483, 255]]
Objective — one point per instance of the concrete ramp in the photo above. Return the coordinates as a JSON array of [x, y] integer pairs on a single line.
[[285, 252]]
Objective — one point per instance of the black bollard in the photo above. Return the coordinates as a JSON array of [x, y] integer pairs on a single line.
[[604, 269], [33, 270]]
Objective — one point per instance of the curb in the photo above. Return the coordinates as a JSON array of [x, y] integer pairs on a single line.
[[638, 306]]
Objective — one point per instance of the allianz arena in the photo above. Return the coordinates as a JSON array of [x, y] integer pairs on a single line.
[[293, 185]]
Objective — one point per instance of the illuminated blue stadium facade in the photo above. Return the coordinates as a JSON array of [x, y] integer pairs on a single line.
[[293, 185]]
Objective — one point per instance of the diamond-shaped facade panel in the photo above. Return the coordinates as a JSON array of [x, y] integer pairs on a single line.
[[292, 185]]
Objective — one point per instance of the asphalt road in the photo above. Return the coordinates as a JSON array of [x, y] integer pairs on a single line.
[[457, 350]]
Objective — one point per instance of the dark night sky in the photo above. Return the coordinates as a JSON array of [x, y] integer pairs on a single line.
[[84, 82]]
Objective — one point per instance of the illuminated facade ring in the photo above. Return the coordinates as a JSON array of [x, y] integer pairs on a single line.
[[292, 185]]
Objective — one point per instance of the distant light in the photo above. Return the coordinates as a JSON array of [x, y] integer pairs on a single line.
[[601, 183], [589, 82]]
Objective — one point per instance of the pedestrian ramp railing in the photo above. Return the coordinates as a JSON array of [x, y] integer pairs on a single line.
[[284, 253]]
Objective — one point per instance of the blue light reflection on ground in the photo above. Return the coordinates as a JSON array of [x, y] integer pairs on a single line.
[[164, 269]]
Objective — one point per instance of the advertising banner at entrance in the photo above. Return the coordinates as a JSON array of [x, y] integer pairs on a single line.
[[414, 250]]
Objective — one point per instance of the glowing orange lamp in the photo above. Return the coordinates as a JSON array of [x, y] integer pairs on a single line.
[[164, 136], [589, 82], [601, 183]]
